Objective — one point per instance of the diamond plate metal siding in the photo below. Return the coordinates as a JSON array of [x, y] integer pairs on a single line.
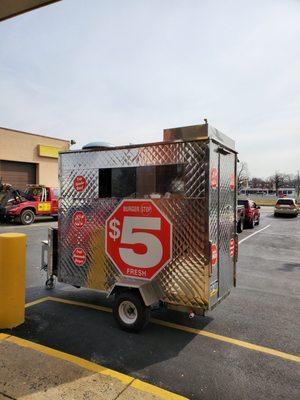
[[97, 272], [67, 186], [185, 279]]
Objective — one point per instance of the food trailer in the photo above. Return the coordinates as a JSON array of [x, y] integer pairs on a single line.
[[150, 223]]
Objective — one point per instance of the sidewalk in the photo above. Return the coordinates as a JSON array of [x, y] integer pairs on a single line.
[[29, 371]]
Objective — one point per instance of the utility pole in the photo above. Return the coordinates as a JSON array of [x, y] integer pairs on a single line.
[[298, 185]]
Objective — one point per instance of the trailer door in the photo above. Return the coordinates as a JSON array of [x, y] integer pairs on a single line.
[[222, 216], [227, 217]]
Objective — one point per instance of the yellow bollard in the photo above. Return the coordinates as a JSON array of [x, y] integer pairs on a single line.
[[12, 279]]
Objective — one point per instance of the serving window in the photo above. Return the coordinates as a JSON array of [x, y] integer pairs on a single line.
[[148, 181]]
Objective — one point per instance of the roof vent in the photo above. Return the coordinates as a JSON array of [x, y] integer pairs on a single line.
[[97, 145]]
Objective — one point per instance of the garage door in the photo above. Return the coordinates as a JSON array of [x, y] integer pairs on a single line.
[[18, 174]]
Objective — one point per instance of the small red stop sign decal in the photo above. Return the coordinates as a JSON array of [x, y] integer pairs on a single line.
[[79, 219], [214, 178], [231, 247], [79, 256], [138, 239], [232, 182], [214, 254], [79, 183]]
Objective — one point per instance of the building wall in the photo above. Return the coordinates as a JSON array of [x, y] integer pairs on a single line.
[[11, 8], [23, 146]]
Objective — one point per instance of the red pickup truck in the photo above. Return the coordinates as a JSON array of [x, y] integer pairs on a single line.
[[240, 218], [37, 200], [252, 213]]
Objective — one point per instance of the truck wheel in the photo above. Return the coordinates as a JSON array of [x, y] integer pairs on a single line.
[[130, 311], [27, 217], [240, 226], [251, 223]]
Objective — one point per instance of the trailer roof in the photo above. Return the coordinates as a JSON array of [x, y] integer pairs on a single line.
[[188, 134]]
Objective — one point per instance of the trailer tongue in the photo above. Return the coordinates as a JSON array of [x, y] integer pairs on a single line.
[[150, 224]]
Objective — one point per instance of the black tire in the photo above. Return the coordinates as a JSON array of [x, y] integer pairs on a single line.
[[275, 215], [240, 226], [49, 284], [257, 222], [251, 224], [130, 311], [27, 217]]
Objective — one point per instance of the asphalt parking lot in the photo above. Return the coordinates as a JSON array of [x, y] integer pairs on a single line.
[[231, 359]]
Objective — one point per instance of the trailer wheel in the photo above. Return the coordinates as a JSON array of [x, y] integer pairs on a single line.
[[130, 311], [27, 217], [49, 284]]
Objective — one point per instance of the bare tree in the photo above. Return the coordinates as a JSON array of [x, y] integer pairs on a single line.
[[242, 173], [277, 180], [257, 182]]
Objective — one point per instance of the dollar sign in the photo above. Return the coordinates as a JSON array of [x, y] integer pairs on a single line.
[[114, 232]]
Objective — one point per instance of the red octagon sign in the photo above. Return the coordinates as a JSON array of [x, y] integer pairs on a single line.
[[79, 256], [214, 254], [79, 219], [79, 183], [138, 239], [214, 178], [232, 182]]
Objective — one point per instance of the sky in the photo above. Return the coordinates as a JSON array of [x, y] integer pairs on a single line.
[[121, 71]]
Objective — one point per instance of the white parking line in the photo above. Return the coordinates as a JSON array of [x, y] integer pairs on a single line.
[[255, 233]]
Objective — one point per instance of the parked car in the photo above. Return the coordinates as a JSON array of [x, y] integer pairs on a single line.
[[252, 213], [286, 206], [240, 218]]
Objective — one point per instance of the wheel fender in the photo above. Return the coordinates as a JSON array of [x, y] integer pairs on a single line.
[[28, 208], [146, 290]]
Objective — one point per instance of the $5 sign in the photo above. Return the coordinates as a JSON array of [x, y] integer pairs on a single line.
[[138, 238]]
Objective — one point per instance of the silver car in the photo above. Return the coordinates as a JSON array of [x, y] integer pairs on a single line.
[[286, 206]]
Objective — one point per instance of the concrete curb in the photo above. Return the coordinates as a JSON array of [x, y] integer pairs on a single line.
[[63, 374]]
